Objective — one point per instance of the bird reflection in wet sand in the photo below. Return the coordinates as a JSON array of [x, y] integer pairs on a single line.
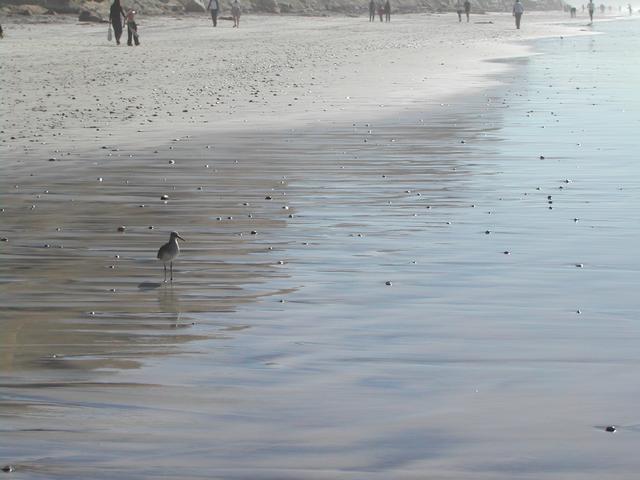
[[168, 252], [169, 306]]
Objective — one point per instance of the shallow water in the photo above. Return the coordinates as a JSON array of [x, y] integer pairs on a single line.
[[299, 361]]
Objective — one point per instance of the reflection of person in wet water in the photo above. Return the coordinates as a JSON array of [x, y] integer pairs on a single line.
[[372, 10], [116, 14], [591, 7], [467, 9]]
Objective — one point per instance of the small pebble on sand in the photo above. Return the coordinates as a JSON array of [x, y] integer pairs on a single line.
[[388, 282], [122, 228], [610, 428]]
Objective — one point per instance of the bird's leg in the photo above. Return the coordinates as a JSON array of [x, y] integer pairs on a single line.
[[171, 272], [165, 273]]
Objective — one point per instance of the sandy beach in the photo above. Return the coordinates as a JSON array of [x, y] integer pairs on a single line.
[[409, 250], [68, 89]]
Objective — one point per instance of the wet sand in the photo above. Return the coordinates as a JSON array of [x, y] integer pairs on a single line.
[[284, 353]]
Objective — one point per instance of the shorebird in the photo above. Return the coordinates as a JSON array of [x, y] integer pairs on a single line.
[[168, 252]]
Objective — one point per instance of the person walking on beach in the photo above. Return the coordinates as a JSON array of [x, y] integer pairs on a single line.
[[630, 9], [214, 7], [459, 11], [518, 10], [591, 7], [372, 10], [467, 9], [235, 13], [132, 28], [381, 11], [116, 15], [387, 11]]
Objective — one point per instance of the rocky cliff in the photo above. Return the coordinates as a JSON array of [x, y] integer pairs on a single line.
[[99, 8]]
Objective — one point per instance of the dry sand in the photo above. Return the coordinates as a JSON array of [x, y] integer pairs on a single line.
[[279, 352], [66, 88]]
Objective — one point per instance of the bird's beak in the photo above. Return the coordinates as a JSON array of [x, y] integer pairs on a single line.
[[181, 238]]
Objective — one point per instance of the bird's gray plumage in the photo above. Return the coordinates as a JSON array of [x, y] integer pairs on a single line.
[[169, 251]]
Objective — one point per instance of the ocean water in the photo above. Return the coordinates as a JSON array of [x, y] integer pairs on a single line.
[[450, 293]]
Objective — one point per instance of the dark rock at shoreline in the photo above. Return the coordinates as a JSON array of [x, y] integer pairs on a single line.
[[87, 16]]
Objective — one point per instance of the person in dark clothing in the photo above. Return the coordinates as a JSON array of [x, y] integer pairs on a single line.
[[518, 10], [372, 10], [214, 7], [132, 28], [116, 14], [381, 11], [467, 9], [387, 11]]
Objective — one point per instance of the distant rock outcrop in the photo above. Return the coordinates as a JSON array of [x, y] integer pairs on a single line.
[[87, 16], [99, 8]]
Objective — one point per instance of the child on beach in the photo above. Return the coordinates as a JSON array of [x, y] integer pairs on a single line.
[[132, 28], [235, 13]]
